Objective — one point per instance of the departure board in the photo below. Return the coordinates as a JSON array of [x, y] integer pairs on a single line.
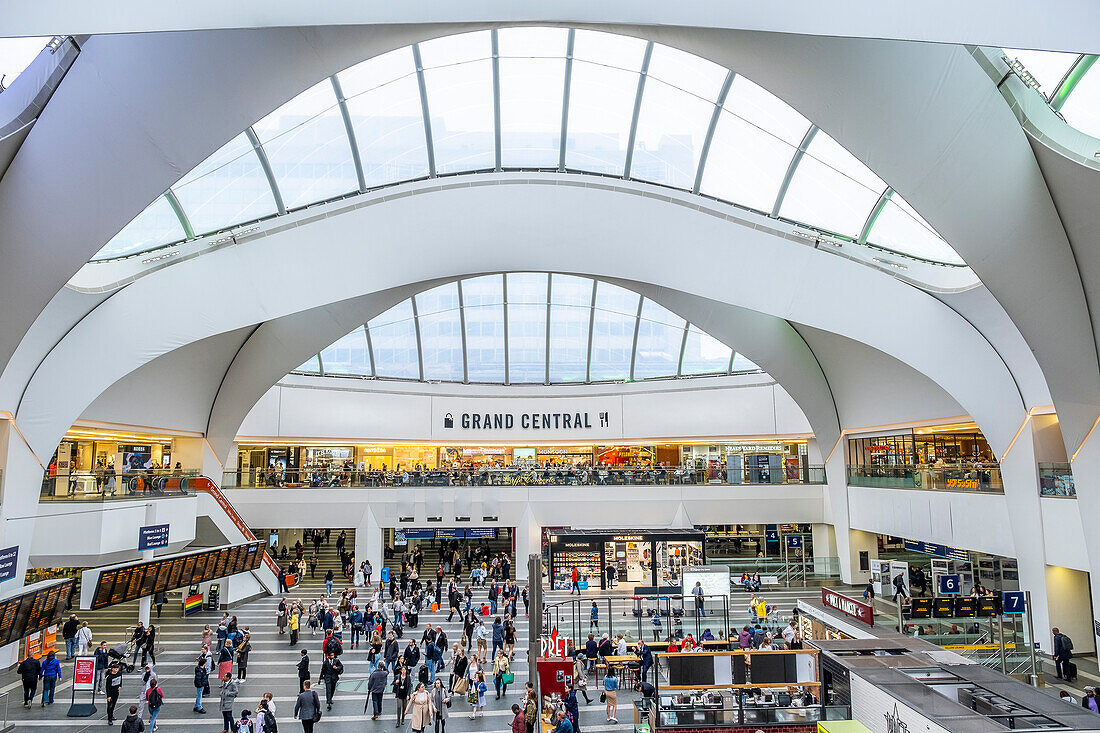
[[175, 579], [943, 608], [235, 554], [921, 608], [133, 590], [33, 611], [966, 607], [188, 569], [163, 570], [103, 590], [989, 606], [150, 579], [119, 585], [122, 580]]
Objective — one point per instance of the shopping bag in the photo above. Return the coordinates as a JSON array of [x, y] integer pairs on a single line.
[[583, 585], [484, 610], [435, 607], [461, 686], [507, 678], [471, 696]]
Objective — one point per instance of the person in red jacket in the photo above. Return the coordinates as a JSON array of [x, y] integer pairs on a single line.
[[576, 582]]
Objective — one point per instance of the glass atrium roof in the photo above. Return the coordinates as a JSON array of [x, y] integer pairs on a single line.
[[537, 98], [527, 328], [16, 54], [1069, 83]]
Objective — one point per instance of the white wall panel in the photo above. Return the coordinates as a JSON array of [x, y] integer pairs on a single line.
[[978, 521], [1063, 534], [369, 413]]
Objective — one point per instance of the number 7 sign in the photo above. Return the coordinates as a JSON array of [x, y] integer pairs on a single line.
[[1012, 602]]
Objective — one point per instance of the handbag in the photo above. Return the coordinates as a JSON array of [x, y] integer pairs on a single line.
[[461, 686], [316, 708], [471, 697], [507, 678], [603, 697]]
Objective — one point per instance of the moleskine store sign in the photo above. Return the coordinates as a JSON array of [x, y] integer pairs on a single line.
[[848, 606]]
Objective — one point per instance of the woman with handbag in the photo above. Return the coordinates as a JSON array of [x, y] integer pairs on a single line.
[[611, 694], [440, 701], [421, 707], [502, 674]]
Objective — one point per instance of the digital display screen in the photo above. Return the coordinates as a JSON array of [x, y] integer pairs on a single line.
[[989, 606], [966, 607], [120, 585], [943, 608], [921, 608], [31, 612]]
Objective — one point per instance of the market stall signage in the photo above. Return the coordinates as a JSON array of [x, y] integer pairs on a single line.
[[627, 538], [962, 483], [848, 606]]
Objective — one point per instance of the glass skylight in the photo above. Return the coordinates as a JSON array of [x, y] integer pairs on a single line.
[[515, 306], [16, 54], [554, 108]]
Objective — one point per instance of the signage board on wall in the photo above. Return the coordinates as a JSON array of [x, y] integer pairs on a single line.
[[9, 561], [931, 548], [848, 606], [556, 418], [152, 536]]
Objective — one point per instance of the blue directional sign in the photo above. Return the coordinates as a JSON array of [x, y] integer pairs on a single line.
[[152, 536], [794, 542], [771, 535], [9, 561], [949, 585], [1012, 603]]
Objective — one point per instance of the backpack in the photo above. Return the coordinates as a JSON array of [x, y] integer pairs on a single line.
[[1067, 643], [156, 698]]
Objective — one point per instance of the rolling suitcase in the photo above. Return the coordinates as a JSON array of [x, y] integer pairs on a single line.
[[1071, 671]]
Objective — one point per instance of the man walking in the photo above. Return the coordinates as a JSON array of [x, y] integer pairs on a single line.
[[331, 669], [1063, 652], [114, 688], [30, 669], [376, 686], [303, 671], [68, 632]]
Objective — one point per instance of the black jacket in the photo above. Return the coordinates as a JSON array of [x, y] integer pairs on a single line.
[[332, 669], [30, 668], [402, 688], [390, 652], [303, 668], [68, 631], [411, 656], [133, 724], [202, 677]]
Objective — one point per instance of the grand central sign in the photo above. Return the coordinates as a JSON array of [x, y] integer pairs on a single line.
[[527, 420]]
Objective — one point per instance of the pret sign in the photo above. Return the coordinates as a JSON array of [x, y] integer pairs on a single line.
[[83, 674], [152, 536], [9, 560], [848, 606]]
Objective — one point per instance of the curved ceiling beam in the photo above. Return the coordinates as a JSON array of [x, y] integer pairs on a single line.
[[236, 286], [280, 345], [983, 22]]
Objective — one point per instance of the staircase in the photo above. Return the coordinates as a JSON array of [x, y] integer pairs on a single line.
[[431, 554], [328, 558]]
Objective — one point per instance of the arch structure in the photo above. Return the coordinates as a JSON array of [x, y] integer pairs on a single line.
[[758, 186]]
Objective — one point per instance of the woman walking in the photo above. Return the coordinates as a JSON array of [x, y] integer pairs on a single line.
[[225, 662], [402, 687], [280, 617], [611, 694], [242, 658], [421, 707], [500, 669], [226, 699], [441, 700]]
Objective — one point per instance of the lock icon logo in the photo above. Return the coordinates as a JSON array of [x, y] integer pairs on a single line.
[[448, 421]]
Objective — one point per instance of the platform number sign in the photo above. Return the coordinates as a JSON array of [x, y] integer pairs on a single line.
[[1013, 603], [949, 585]]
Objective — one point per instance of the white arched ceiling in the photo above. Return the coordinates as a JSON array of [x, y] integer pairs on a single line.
[[987, 22], [939, 130], [244, 285]]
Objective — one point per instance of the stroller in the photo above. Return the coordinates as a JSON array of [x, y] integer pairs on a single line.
[[121, 652]]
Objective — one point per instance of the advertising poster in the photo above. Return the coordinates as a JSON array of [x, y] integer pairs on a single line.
[[136, 457], [83, 674]]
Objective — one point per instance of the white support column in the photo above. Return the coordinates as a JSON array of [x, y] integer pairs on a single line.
[[849, 543], [368, 543], [824, 539], [528, 542], [145, 603], [1020, 474], [1086, 479], [22, 484]]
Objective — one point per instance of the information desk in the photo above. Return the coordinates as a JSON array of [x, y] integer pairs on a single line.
[[103, 587]]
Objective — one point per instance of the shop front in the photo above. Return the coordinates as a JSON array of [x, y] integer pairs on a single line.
[[638, 557]]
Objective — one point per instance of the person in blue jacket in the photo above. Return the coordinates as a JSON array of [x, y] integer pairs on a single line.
[[51, 673], [643, 652], [572, 707]]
